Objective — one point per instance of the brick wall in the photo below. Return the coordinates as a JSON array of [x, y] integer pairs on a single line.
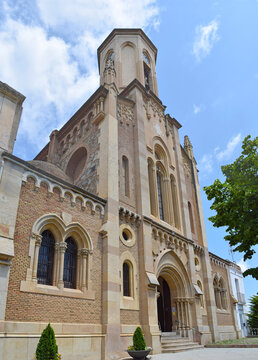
[[23, 306], [129, 317]]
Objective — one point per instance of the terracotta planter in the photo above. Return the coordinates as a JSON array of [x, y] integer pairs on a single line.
[[139, 354]]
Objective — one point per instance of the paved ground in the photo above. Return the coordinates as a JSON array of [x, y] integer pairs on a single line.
[[210, 354]]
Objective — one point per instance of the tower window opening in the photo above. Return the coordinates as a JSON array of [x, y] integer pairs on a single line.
[[126, 280], [159, 185], [147, 72]]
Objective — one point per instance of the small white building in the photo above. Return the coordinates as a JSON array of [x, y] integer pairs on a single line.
[[239, 294]]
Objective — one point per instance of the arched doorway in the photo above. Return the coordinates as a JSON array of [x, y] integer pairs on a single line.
[[174, 294], [164, 306]]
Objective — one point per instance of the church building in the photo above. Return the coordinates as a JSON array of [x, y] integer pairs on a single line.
[[104, 230]]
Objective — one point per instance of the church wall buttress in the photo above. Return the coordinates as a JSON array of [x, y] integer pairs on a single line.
[[126, 143]]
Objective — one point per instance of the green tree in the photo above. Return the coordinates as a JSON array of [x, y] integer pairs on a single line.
[[47, 348], [138, 339], [236, 201], [253, 315]]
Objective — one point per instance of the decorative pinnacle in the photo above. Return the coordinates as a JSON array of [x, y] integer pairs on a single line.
[[188, 147]]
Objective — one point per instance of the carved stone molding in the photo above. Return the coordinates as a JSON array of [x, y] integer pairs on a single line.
[[51, 185], [163, 241], [129, 216], [153, 109], [99, 113], [198, 249], [217, 261], [125, 114]]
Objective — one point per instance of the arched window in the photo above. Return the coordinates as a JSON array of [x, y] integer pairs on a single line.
[[82, 126], [201, 296], [176, 219], [160, 199], [217, 293], [110, 60], [128, 63], [127, 291], [151, 187], [191, 216], [125, 176], [223, 294], [69, 276], [45, 258], [147, 71]]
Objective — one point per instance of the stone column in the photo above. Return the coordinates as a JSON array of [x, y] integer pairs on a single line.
[[62, 248], [56, 264], [183, 317], [78, 270], [38, 239], [84, 256], [108, 187]]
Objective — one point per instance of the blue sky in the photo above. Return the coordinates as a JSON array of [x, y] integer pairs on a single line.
[[207, 70]]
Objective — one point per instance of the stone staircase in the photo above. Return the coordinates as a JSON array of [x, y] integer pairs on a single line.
[[172, 343]]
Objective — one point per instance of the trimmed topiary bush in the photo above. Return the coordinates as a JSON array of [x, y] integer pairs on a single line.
[[47, 348], [138, 340]]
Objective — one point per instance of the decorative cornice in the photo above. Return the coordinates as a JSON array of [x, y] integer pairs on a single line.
[[167, 230], [129, 216], [51, 185], [198, 249], [12, 93], [216, 260], [53, 179]]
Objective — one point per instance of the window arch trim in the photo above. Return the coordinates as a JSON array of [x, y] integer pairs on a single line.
[[131, 302], [84, 257]]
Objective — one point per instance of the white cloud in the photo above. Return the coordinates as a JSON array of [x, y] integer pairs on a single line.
[[198, 108], [206, 164], [231, 145], [243, 265], [43, 69], [209, 161], [205, 38], [50, 55], [98, 16]]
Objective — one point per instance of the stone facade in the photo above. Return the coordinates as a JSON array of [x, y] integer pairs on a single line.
[[116, 184]]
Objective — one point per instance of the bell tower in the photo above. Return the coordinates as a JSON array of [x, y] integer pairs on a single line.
[[126, 55]]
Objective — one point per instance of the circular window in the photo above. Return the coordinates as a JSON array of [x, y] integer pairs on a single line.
[[127, 235]]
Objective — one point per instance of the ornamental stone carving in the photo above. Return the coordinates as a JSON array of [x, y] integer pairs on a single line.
[[125, 114], [153, 109]]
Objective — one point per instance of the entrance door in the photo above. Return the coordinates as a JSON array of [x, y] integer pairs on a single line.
[[164, 306]]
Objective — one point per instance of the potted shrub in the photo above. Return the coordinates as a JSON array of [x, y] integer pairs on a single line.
[[138, 350], [47, 348]]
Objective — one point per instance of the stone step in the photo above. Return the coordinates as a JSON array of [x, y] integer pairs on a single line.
[[181, 348], [170, 345], [179, 344], [171, 333], [180, 339]]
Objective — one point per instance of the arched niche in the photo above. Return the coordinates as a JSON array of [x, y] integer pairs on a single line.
[[128, 63], [76, 163]]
